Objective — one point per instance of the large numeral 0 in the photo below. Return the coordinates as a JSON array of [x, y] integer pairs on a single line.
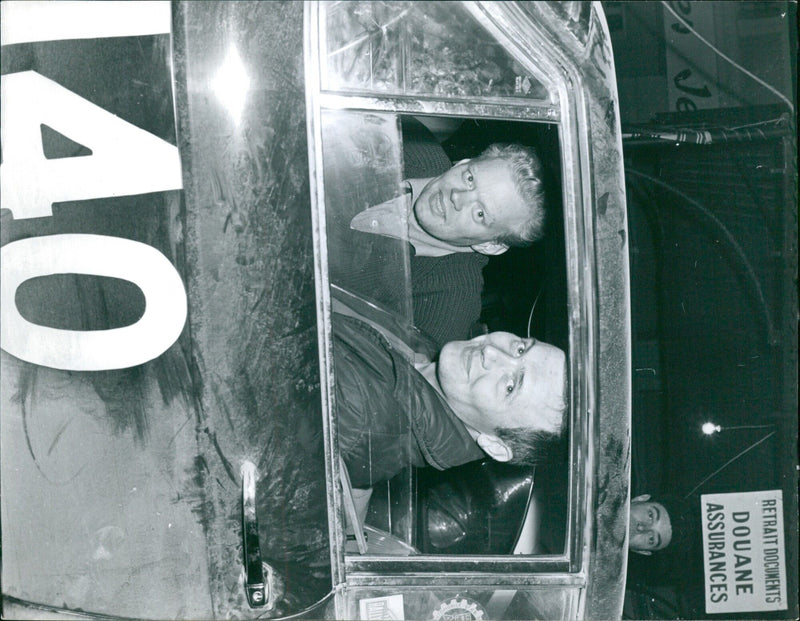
[[99, 255]]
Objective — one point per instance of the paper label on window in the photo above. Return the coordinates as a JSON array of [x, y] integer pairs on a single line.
[[389, 607]]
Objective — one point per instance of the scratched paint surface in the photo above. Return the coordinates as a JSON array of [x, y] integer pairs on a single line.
[[252, 294], [92, 517], [100, 503]]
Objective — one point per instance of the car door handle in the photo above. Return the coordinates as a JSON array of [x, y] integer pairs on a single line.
[[255, 583]]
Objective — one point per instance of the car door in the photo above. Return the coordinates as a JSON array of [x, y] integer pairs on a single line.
[[170, 440]]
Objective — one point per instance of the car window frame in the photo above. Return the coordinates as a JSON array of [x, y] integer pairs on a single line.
[[565, 108]]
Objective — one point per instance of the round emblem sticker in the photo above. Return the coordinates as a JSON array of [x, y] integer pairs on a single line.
[[459, 609]]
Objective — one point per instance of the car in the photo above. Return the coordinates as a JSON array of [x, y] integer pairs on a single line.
[[178, 182]]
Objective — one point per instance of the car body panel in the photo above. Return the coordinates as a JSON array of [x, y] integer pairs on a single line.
[[144, 463], [98, 486], [251, 278]]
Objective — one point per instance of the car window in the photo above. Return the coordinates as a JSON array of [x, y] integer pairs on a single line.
[[362, 159], [483, 507], [375, 160]]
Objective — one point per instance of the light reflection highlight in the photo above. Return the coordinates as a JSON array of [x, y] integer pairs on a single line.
[[231, 84]]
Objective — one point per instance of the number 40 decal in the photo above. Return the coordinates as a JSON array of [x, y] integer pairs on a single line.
[[125, 160]]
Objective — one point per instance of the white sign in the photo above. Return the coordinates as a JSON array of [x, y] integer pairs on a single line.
[[24, 22], [743, 551], [389, 607]]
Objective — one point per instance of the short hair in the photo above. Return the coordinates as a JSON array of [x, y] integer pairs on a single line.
[[537, 446], [679, 518], [530, 447], [526, 170]]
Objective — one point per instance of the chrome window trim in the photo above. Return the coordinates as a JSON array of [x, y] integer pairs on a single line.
[[476, 579], [322, 285], [485, 106], [444, 564]]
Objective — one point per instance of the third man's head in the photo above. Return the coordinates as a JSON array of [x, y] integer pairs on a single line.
[[650, 525]]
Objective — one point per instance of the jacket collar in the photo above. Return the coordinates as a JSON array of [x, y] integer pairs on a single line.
[[443, 439], [395, 218]]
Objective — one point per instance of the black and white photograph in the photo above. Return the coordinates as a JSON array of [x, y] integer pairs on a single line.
[[393, 309]]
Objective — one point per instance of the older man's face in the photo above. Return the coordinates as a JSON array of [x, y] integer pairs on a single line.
[[650, 526], [474, 202], [501, 380]]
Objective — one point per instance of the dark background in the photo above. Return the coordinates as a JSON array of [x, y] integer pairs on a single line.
[[713, 233]]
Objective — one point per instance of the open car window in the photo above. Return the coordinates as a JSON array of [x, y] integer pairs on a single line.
[[368, 112], [483, 507]]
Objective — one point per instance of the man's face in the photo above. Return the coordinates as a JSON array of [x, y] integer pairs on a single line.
[[502, 380], [474, 202], [650, 526]]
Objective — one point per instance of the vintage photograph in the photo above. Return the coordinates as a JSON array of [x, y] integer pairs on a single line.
[[448, 311]]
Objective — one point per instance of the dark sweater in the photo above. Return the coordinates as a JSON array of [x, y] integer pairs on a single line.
[[447, 295], [446, 290], [444, 299]]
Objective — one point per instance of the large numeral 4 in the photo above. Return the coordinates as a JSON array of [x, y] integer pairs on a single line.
[[125, 159]]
